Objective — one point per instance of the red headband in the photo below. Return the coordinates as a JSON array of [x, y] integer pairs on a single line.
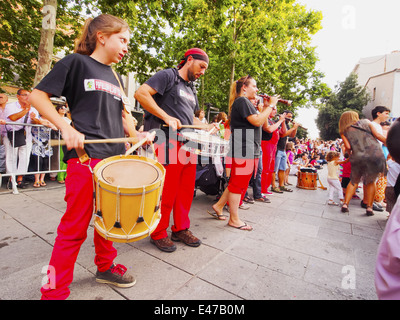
[[196, 53]]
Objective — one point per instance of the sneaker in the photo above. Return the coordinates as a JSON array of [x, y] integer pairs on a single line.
[[164, 244], [186, 237], [244, 206], [117, 276]]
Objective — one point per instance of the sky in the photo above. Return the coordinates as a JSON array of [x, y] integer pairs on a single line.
[[351, 30]]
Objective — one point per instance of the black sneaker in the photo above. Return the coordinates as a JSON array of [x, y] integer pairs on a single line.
[[116, 276]]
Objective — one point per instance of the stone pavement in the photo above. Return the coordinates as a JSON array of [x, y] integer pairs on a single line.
[[300, 249]]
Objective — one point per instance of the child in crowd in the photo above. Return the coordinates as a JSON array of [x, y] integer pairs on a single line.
[[333, 158], [290, 159]]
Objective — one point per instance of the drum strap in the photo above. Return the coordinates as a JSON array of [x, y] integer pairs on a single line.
[[126, 103], [82, 155]]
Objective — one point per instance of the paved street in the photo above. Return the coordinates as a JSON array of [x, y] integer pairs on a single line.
[[300, 249]]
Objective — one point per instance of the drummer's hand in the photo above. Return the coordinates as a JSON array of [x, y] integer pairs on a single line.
[[148, 135], [73, 138], [213, 128], [172, 122]]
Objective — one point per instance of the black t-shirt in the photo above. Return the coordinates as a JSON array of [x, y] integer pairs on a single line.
[[245, 138], [282, 141], [174, 95], [94, 99]]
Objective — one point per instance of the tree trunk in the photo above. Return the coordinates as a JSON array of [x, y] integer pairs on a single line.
[[45, 54], [233, 54]]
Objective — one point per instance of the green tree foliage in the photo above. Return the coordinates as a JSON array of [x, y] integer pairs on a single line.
[[270, 40], [348, 96], [20, 26]]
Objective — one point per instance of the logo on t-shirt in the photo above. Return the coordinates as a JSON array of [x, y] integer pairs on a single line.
[[101, 85], [186, 95]]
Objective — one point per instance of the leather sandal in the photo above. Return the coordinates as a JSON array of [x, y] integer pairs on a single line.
[[345, 209]]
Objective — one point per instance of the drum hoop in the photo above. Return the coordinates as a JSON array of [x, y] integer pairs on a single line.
[[127, 194], [127, 236], [99, 171], [205, 141]]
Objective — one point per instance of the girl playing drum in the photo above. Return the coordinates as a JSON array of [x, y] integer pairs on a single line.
[[93, 93]]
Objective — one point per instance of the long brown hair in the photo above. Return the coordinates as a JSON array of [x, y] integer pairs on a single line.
[[105, 23], [236, 88], [347, 119]]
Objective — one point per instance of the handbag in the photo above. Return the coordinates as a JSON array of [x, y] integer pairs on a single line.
[[17, 138]]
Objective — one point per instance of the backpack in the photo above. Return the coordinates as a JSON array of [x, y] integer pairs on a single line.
[[207, 179]]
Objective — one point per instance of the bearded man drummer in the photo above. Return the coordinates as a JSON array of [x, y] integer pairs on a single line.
[[169, 98]]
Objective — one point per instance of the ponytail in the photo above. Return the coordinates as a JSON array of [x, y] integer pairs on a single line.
[[105, 23], [236, 89]]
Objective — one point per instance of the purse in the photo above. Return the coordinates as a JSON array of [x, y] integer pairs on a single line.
[[17, 138]]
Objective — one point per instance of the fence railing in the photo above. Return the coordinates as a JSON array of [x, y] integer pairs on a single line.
[[37, 146]]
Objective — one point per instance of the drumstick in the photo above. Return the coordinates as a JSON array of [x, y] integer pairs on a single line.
[[191, 126], [55, 142], [213, 128], [140, 143]]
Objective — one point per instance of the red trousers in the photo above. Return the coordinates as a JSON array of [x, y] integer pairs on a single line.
[[178, 191], [242, 171], [268, 160], [72, 232]]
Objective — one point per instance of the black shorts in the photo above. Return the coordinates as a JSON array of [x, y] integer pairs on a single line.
[[345, 182]]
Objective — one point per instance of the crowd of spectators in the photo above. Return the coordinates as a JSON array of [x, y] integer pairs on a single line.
[[24, 145]]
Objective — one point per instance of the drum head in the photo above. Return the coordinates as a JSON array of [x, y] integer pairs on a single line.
[[130, 173]]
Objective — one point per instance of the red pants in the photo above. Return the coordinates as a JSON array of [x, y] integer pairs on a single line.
[[242, 171], [178, 191], [72, 232], [268, 160]]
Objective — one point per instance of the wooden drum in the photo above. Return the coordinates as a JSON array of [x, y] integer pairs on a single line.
[[127, 197], [307, 179]]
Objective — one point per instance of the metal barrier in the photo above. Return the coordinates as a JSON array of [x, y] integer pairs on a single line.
[[13, 152]]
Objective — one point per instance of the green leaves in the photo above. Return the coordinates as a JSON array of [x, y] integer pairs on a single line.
[[348, 96], [270, 40]]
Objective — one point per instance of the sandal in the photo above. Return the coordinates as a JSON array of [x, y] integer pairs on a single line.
[[248, 199], [277, 190], [283, 188], [36, 185], [244, 227], [345, 209], [43, 184], [369, 212], [216, 215], [263, 199]]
